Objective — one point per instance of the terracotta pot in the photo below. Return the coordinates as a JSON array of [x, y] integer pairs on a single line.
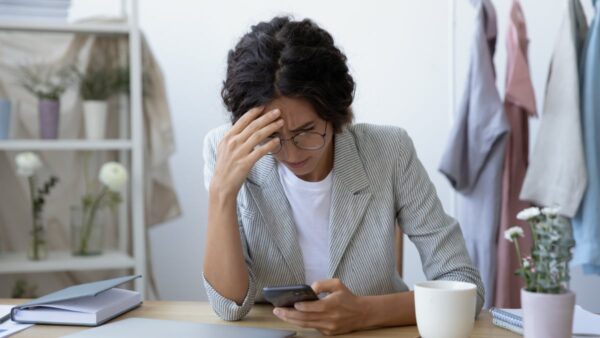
[[547, 315]]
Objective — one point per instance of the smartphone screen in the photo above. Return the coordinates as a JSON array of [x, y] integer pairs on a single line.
[[286, 296]]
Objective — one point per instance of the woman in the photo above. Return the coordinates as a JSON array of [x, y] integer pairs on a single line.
[[297, 194]]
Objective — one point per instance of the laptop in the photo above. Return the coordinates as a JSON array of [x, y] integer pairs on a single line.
[[155, 328]]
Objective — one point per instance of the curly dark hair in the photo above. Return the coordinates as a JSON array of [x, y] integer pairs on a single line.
[[288, 58]]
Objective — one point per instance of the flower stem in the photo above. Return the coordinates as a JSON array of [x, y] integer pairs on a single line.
[[518, 250], [88, 223], [34, 211]]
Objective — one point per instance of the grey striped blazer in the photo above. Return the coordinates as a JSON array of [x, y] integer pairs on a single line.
[[378, 182]]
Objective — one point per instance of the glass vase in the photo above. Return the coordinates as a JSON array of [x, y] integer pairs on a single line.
[[37, 250], [87, 235]]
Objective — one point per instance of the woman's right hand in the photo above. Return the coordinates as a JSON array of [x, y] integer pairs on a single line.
[[241, 148]]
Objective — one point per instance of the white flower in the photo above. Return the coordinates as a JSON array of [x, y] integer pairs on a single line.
[[27, 163], [513, 232], [554, 237], [551, 212], [526, 263], [113, 175], [55, 81], [528, 213]]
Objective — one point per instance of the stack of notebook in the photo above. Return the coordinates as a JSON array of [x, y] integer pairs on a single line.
[[56, 10], [585, 323], [510, 319]]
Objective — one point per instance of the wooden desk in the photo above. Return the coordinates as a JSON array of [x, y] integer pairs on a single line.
[[260, 316]]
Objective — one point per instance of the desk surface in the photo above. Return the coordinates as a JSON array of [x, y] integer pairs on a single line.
[[260, 316]]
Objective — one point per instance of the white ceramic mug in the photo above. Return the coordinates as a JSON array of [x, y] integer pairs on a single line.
[[445, 309]]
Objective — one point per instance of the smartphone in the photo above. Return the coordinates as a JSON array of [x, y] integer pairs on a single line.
[[286, 296]]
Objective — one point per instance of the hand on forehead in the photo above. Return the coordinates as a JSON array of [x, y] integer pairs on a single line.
[[296, 113]]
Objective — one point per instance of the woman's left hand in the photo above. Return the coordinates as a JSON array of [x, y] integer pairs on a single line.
[[339, 312]]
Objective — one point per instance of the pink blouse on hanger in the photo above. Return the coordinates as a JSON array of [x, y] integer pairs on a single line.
[[519, 103]]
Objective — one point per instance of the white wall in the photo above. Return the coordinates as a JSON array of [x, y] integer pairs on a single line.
[[398, 52], [395, 59]]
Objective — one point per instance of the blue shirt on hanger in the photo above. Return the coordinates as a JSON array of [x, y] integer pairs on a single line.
[[586, 224]]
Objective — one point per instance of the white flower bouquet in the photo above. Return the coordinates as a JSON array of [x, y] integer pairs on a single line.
[[546, 270], [47, 81]]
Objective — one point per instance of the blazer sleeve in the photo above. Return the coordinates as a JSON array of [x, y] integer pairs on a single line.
[[225, 308], [437, 236]]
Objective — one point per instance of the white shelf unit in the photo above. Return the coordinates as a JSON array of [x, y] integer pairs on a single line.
[[65, 145], [65, 27], [17, 262], [130, 150]]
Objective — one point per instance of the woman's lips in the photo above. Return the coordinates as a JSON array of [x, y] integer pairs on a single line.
[[296, 165]]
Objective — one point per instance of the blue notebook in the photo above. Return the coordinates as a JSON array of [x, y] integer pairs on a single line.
[[88, 304], [510, 316], [585, 323]]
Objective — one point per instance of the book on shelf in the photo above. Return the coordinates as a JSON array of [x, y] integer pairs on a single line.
[[585, 323], [88, 304]]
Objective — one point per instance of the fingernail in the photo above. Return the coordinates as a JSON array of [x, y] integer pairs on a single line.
[[275, 112], [277, 312], [280, 123]]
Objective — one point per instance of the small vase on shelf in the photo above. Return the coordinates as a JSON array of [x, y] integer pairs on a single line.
[[47, 82], [5, 108], [37, 249], [87, 236], [49, 113], [94, 113]]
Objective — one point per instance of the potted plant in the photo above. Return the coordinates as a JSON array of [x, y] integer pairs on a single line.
[[47, 83], [547, 302], [96, 86], [86, 230], [28, 164]]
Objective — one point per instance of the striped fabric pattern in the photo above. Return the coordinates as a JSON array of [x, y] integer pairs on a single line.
[[378, 182]]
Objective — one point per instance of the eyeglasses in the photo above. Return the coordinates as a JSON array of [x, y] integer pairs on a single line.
[[307, 140]]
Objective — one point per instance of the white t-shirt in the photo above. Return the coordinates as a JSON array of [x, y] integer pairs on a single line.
[[310, 202]]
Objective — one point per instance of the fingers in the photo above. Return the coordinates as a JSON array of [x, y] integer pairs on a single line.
[[259, 122], [246, 119], [328, 285], [263, 150], [259, 136], [297, 315], [297, 318], [312, 306]]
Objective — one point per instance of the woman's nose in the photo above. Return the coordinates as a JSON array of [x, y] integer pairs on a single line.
[[290, 152]]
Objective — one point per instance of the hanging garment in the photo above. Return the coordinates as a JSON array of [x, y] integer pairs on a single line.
[[586, 225], [556, 176], [473, 158], [519, 103]]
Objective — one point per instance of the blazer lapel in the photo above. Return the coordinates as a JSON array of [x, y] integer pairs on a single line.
[[349, 198], [266, 190]]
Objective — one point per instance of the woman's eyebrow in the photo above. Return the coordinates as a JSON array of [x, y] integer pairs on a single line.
[[304, 126]]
